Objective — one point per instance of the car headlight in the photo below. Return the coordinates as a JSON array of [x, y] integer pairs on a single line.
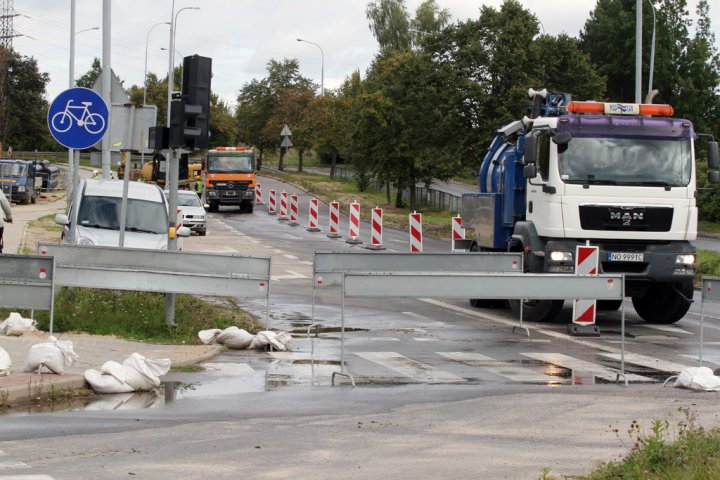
[[85, 241], [20, 188], [560, 256], [686, 259]]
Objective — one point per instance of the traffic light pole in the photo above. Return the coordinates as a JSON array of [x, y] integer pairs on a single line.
[[171, 182]]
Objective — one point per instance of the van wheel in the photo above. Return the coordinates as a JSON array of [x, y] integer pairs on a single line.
[[214, 206], [26, 199]]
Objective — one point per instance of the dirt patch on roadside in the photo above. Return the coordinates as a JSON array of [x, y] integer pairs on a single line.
[[43, 229]]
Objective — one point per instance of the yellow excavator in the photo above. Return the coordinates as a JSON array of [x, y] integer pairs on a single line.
[[154, 171]]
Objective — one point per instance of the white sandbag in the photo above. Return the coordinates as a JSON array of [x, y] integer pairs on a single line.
[[698, 378], [5, 362], [15, 325], [136, 373], [208, 337], [54, 355], [144, 373], [265, 338], [235, 338], [105, 383]]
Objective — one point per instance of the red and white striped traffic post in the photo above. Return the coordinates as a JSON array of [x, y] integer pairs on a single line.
[[293, 210], [583, 318], [376, 226], [458, 233], [334, 221], [416, 240], [313, 216], [258, 193], [354, 224], [283, 206], [272, 203]]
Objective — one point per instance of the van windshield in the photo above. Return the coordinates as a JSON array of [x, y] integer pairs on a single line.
[[104, 212], [13, 169]]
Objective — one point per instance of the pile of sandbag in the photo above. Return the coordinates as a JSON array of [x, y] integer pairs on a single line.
[[15, 325], [136, 373], [5, 362], [52, 356], [698, 378], [238, 339]]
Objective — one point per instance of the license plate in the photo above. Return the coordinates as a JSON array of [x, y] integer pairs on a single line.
[[626, 257]]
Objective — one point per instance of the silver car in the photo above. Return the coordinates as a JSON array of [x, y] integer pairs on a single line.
[[193, 212]]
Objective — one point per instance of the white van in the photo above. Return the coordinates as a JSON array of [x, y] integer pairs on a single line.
[[94, 215]]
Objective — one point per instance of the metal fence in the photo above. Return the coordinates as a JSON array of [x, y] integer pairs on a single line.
[[26, 281]]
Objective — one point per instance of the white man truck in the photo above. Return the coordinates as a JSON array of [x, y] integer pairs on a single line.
[[619, 176]]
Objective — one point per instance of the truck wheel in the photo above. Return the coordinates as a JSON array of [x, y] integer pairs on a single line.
[[484, 303], [26, 199], [664, 302], [537, 310], [610, 305]]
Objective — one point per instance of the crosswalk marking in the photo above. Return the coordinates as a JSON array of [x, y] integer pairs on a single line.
[[418, 371], [649, 362], [583, 366], [508, 370], [10, 465]]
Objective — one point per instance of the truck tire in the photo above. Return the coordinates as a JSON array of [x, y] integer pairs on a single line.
[[664, 302], [247, 207], [609, 305], [537, 310], [26, 198], [484, 303]]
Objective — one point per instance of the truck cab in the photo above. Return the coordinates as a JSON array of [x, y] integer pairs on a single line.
[[20, 180], [619, 176], [230, 178]]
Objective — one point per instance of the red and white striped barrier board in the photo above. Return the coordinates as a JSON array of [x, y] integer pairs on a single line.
[[283, 205], [354, 224], [458, 233], [293, 210], [586, 263], [258, 193], [376, 226], [416, 240], [334, 221], [313, 216], [272, 203]]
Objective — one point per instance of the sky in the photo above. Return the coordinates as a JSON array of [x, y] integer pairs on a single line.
[[241, 36]]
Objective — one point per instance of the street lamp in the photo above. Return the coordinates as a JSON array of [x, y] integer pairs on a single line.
[[176, 52], [147, 39], [652, 53], [322, 65], [171, 60]]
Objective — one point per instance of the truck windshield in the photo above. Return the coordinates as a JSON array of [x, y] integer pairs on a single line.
[[104, 212], [13, 169], [627, 161], [230, 164]]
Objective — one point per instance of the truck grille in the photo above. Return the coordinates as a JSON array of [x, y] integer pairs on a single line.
[[231, 185], [634, 219]]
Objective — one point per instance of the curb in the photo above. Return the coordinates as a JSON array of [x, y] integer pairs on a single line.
[[24, 388], [217, 349]]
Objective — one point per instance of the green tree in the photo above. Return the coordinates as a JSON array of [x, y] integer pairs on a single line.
[[255, 104], [390, 24], [222, 123], [429, 19], [87, 80], [23, 123]]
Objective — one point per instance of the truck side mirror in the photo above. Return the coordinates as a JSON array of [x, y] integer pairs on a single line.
[[562, 138], [713, 160], [530, 147], [530, 171]]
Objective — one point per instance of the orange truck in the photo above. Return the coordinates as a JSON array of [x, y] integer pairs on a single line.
[[229, 178]]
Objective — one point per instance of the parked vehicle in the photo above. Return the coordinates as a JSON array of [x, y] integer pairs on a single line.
[[94, 215], [230, 178], [192, 211], [619, 176], [21, 180], [154, 171]]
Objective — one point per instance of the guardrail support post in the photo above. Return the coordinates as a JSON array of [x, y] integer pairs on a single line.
[[342, 371]]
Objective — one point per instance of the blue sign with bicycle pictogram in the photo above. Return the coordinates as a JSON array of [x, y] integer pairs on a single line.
[[78, 118]]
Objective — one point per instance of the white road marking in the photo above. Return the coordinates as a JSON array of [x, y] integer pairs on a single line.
[[2, 454], [291, 257], [645, 361], [230, 368], [13, 465], [292, 276], [418, 371], [27, 477], [581, 366], [665, 328], [305, 262], [425, 339], [706, 358], [508, 370]]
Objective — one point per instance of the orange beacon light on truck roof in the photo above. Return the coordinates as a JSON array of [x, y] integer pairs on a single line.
[[606, 108]]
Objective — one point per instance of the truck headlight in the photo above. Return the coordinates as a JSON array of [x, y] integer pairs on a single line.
[[686, 259], [20, 188], [212, 193], [560, 256], [561, 262]]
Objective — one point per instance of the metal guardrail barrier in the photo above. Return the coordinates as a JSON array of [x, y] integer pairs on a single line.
[[483, 286], [161, 271], [26, 281]]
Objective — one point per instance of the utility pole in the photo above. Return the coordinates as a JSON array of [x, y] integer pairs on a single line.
[[638, 51], [105, 87], [171, 171]]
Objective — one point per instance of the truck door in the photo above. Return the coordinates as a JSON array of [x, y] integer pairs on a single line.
[[543, 206]]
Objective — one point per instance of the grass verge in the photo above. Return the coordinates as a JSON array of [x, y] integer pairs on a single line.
[[44, 229], [708, 263], [436, 223], [708, 227], [684, 451]]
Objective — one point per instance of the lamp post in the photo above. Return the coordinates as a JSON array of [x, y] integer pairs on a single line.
[[147, 39], [652, 53], [171, 61], [322, 65]]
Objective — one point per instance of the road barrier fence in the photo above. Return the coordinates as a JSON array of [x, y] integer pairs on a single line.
[[27, 281]]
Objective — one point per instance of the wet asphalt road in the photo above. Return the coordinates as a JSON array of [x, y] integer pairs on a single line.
[[405, 356]]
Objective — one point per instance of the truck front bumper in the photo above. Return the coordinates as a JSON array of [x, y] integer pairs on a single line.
[[230, 197]]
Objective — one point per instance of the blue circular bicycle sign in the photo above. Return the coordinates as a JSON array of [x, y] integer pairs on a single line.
[[78, 118]]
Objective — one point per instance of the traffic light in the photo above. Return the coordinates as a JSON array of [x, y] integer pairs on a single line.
[[197, 72]]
